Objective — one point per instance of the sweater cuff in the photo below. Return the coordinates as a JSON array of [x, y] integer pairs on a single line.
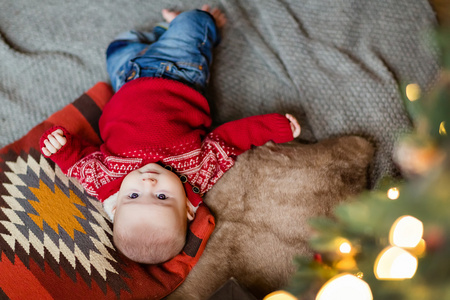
[[61, 156], [49, 131], [283, 126]]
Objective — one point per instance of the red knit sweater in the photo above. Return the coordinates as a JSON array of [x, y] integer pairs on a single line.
[[160, 120]]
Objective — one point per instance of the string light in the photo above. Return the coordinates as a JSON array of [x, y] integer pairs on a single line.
[[395, 263], [393, 193], [345, 247], [419, 250], [406, 232], [346, 264], [442, 130], [413, 91], [345, 286], [280, 295]]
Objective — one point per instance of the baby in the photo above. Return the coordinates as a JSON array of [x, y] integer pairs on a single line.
[[157, 158]]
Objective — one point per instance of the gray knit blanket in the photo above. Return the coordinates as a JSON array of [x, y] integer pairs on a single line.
[[335, 64]]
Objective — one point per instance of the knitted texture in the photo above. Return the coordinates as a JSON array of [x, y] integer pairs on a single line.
[[172, 130], [335, 64]]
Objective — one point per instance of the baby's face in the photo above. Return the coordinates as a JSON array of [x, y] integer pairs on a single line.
[[152, 195]]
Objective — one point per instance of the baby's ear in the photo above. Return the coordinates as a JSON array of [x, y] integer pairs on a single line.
[[110, 205], [190, 210]]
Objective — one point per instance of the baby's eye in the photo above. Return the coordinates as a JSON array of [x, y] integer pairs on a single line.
[[133, 195], [161, 196]]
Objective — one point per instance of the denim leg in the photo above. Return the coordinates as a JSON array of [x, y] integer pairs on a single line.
[[190, 34], [184, 51], [159, 30], [124, 48]]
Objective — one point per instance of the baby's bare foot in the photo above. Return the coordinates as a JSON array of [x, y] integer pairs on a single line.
[[218, 15], [169, 15]]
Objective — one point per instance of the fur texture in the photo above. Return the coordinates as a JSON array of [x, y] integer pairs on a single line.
[[262, 206]]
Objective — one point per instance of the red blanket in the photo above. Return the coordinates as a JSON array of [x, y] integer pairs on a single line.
[[56, 241]]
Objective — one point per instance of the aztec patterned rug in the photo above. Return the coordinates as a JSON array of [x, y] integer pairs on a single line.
[[55, 240]]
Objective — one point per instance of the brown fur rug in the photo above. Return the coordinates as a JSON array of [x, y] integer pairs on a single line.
[[262, 206]]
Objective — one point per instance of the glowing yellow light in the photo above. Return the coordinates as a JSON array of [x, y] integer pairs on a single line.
[[345, 286], [346, 264], [419, 250], [279, 295], [393, 193], [442, 130], [345, 248], [394, 263], [406, 232], [413, 91]]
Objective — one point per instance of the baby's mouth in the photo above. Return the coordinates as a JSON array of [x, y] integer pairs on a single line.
[[152, 168], [149, 172]]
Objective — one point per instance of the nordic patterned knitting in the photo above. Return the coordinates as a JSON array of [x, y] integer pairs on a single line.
[[173, 131]]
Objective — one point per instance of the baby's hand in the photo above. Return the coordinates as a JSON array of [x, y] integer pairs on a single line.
[[54, 141], [296, 129]]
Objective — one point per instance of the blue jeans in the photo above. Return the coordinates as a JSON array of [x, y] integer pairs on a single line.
[[181, 52]]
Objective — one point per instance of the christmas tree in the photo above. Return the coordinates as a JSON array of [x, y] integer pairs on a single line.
[[393, 242]]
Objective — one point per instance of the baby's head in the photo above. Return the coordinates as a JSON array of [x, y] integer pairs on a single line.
[[151, 215]]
